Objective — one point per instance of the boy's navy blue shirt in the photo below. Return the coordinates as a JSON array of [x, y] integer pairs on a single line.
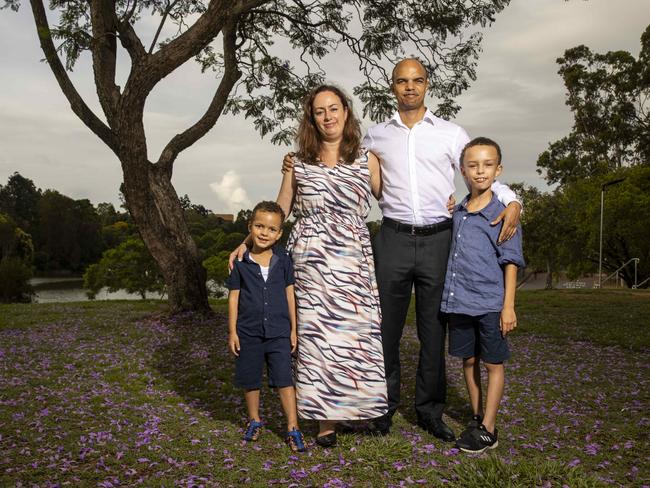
[[263, 308], [474, 284]]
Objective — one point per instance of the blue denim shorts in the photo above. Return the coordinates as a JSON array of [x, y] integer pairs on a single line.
[[478, 336], [254, 353]]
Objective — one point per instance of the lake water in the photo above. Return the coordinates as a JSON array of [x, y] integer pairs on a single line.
[[71, 290]]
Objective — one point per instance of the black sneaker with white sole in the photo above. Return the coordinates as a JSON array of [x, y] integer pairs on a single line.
[[477, 440], [471, 425]]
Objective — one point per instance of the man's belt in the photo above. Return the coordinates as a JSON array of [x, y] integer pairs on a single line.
[[417, 230]]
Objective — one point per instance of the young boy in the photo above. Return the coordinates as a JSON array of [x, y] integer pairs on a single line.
[[479, 293], [262, 321]]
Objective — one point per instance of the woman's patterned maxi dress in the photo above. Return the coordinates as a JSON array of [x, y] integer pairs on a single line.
[[340, 364]]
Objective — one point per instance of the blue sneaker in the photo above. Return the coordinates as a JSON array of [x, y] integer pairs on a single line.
[[253, 431], [295, 440]]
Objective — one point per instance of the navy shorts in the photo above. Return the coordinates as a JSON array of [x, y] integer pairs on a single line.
[[478, 336], [254, 352]]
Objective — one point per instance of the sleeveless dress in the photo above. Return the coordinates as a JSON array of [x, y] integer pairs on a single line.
[[339, 369]]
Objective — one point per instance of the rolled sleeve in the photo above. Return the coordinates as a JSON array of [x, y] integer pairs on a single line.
[[504, 194], [289, 278], [510, 251], [233, 282], [368, 141]]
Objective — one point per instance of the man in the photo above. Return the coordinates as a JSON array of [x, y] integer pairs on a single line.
[[419, 155]]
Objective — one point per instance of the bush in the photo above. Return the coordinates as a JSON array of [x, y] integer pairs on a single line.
[[14, 280]]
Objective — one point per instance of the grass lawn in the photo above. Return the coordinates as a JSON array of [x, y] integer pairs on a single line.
[[118, 394]]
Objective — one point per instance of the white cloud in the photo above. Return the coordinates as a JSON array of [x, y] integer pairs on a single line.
[[231, 193]]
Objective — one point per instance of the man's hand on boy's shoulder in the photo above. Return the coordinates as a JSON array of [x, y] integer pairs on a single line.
[[510, 217], [508, 320], [233, 344]]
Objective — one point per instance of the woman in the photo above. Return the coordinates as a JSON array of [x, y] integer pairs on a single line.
[[340, 366]]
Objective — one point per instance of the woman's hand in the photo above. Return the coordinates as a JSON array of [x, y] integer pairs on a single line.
[[236, 254], [287, 162]]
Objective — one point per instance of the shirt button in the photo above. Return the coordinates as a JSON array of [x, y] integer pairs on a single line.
[[455, 254], [464, 218], [452, 294], [453, 274], [458, 235]]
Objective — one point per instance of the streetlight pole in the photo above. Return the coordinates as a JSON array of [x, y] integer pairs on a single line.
[[602, 207]]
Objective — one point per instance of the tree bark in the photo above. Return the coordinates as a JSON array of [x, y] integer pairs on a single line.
[[156, 209]]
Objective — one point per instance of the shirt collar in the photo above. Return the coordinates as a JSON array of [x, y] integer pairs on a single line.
[[428, 117], [490, 212], [277, 253]]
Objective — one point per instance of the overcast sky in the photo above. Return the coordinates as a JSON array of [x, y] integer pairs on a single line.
[[518, 99]]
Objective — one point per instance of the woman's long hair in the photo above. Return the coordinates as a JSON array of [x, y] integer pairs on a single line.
[[309, 138]]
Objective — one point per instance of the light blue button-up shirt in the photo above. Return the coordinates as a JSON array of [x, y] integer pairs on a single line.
[[474, 283]]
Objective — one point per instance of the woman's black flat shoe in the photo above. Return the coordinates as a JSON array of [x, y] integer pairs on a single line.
[[327, 440]]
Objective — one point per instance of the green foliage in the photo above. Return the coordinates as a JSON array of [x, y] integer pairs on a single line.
[[609, 95], [217, 268], [271, 87], [562, 228], [114, 234], [14, 280], [68, 233], [16, 251], [14, 241], [18, 199], [547, 230], [128, 267], [626, 221]]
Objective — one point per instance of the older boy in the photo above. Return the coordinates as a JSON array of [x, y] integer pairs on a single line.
[[479, 293], [262, 321]]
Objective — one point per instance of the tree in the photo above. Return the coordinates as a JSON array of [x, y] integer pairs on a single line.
[[19, 199], [236, 39], [68, 233], [217, 269], [609, 95], [128, 267], [626, 222], [546, 230], [16, 252]]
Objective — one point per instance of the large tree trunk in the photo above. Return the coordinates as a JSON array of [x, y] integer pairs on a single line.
[[154, 205]]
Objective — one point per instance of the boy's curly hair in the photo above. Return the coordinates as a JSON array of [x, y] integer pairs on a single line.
[[268, 206]]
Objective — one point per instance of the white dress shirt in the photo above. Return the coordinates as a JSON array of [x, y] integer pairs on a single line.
[[418, 166]]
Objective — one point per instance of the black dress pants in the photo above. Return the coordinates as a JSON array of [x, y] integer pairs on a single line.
[[404, 262]]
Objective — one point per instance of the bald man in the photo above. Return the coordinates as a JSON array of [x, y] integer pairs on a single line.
[[419, 156]]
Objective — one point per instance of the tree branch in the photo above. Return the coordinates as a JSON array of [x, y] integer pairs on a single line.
[[104, 52], [206, 122], [77, 104], [200, 34], [130, 40], [162, 22]]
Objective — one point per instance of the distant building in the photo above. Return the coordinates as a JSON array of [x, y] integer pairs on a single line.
[[226, 217]]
